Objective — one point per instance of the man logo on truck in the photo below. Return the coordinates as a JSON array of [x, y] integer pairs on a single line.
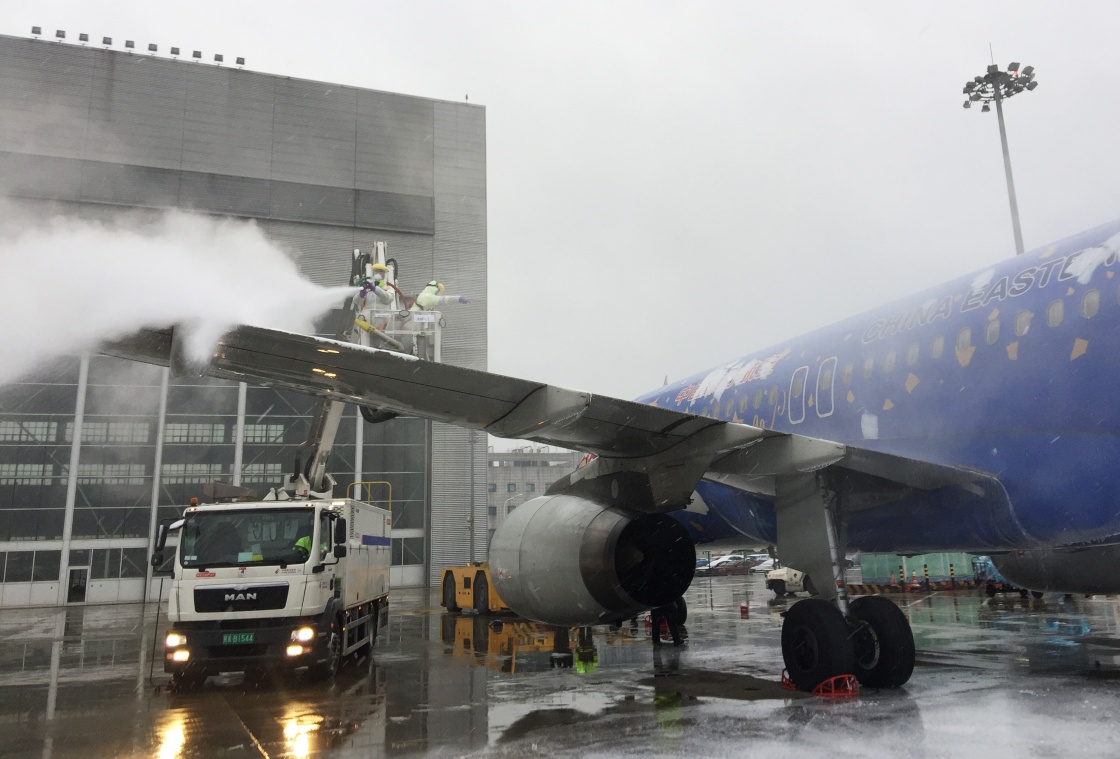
[[241, 596]]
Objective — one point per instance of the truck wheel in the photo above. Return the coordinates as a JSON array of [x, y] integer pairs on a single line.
[[449, 593], [330, 667], [779, 588], [990, 589], [810, 588], [481, 594]]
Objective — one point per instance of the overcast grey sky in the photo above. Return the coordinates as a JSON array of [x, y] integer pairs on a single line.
[[673, 185]]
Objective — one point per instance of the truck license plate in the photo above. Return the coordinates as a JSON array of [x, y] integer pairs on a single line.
[[235, 638]]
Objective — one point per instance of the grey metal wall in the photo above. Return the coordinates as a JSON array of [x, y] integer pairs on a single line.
[[324, 168]]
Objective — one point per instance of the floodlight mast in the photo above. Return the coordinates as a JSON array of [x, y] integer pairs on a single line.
[[997, 86]]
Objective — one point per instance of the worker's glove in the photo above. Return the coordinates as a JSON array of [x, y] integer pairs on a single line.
[[464, 299]]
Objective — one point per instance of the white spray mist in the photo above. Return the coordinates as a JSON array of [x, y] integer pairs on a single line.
[[71, 284]]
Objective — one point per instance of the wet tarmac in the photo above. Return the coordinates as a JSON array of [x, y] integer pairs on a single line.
[[1000, 678]]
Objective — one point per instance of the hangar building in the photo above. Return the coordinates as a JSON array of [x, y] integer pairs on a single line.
[[94, 451]]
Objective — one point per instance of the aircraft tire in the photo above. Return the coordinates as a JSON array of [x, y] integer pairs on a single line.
[[815, 643], [883, 644], [449, 593]]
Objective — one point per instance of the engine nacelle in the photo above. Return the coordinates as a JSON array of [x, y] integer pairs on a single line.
[[1065, 570], [565, 560]]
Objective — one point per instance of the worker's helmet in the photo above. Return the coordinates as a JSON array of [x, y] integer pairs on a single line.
[[380, 267], [437, 285]]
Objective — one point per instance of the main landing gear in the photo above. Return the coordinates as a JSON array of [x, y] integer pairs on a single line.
[[827, 636]]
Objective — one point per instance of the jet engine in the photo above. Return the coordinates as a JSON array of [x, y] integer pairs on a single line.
[[1065, 570], [565, 560]]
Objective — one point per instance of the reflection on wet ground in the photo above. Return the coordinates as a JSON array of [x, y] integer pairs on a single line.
[[1003, 677]]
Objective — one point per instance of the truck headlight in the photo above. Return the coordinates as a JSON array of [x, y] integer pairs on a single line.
[[182, 655], [294, 650], [303, 634], [174, 640]]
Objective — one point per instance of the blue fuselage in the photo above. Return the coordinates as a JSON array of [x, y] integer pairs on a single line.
[[1010, 371]]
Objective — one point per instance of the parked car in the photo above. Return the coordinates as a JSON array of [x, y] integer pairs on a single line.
[[733, 567], [714, 564], [763, 566]]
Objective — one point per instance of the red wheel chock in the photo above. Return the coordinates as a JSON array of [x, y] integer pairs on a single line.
[[786, 682], [841, 686]]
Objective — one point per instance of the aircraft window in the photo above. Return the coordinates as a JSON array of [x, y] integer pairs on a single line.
[[991, 332], [1023, 322], [757, 398], [1055, 313], [888, 362], [824, 378], [847, 374], [773, 395], [727, 409], [964, 339], [938, 347], [797, 395], [1091, 303], [868, 368], [826, 375], [743, 403], [912, 355]]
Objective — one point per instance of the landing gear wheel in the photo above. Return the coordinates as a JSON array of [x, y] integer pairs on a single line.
[[330, 667], [481, 595], [779, 588], [449, 593], [883, 644], [815, 643], [680, 609]]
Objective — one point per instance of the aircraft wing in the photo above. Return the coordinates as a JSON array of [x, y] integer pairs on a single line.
[[648, 458]]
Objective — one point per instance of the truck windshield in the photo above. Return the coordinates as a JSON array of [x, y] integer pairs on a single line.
[[246, 538]]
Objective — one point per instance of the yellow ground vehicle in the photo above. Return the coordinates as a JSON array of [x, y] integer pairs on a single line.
[[470, 587]]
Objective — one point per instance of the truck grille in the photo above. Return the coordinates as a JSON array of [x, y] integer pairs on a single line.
[[241, 597]]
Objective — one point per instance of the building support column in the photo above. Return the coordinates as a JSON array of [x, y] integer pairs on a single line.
[[239, 434], [157, 472], [72, 481]]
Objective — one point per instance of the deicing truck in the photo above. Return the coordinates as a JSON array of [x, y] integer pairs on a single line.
[[300, 579], [271, 584]]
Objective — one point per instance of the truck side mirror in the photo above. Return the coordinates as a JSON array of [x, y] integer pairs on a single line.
[[157, 559], [340, 531], [340, 551]]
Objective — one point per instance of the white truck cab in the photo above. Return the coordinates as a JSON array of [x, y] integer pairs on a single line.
[[275, 584]]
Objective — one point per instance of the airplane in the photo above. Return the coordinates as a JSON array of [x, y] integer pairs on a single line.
[[979, 415]]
